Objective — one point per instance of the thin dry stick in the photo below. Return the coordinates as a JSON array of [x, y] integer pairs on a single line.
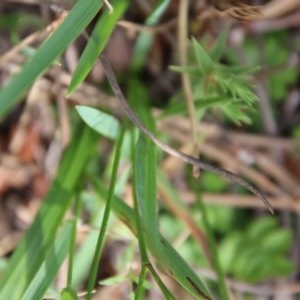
[[134, 27], [187, 158]]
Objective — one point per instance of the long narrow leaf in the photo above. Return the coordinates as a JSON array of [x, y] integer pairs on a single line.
[[102, 233], [33, 248], [77, 20], [145, 39], [145, 184], [96, 43], [203, 59], [165, 255], [49, 268]]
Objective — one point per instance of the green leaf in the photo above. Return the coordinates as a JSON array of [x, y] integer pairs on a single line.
[[219, 46], [114, 280], [235, 114], [220, 217], [228, 250], [79, 17], [278, 241], [165, 255], [145, 39], [26, 260], [145, 184], [200, 104], [204, 61], [283, 266], [50, 266], [101, 122], [238, 70], [68, 294], [261, 228], [96, 43], [192, 70]]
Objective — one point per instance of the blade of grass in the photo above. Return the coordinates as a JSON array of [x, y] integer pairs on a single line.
[[140, 291], [101, 237], [204, 61], [170, 259], [145, 184], [145, 196], [83, 259], [219, 45], [96, 43], [26, 260], [77, 20], [77, 206], [49, 268], [145, 39], [139, 229]]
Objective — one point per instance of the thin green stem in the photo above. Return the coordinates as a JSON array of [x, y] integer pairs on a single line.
[[101, 238], [163, 288], [139, 226], [186, 82], [139, 293], [77, 207], [214, 251]]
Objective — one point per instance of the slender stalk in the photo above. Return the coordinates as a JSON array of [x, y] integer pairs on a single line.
[[176, 153], [139, 226], [101, 238], [183, 57], [73, 240], [163, 288], [140, 287], [214, 251]]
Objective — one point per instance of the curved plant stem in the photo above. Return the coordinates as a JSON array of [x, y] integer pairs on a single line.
[[176, 153]]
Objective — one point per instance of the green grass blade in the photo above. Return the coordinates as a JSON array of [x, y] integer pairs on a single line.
[[77, 20], [49, 268], [26, 260], [97, 41], [145, 184], [101, 237], [72, 249], [204, 61], [145, 39], [167, 294], [165, 255], [140, 290], [219, 45], [101, 122]]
